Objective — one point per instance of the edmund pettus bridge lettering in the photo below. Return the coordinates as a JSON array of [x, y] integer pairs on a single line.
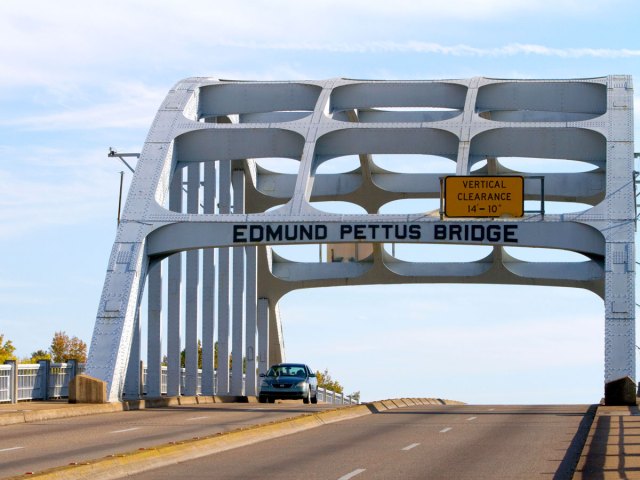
[[299, 232]]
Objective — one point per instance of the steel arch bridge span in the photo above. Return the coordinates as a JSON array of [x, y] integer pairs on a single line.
[[205, 209]]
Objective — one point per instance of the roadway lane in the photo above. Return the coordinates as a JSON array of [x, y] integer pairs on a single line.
[[426, 442], [31, 447]]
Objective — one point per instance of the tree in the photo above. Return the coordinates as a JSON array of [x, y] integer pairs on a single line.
[[6, 349], [39, 355], [325, 381], [183, 356], [65, 348]]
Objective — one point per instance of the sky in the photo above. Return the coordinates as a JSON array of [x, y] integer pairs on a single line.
[[78, 77]]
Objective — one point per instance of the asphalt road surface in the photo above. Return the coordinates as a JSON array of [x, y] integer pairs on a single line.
[[31, 447], [425, 442]]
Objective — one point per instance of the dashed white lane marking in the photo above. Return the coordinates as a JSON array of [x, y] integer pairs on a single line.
[[126, 430], [352, 474], [10, 449], [445, 430], [491, 409], [198, 418], [409, 447], [471, 418]]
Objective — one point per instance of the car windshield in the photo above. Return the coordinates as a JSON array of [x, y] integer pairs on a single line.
[[287, 371]]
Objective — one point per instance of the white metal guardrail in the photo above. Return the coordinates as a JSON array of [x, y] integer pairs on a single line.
[[329, 396], [35, 381], [46, 380], [5, 383]]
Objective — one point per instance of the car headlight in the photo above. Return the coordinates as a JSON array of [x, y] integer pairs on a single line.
[[301, 384]]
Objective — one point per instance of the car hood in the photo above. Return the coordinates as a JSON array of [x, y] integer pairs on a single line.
[[292, 380]]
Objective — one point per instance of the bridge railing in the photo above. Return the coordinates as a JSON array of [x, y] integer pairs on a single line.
[[35, 381], [46, 380], [324, 395], [329, 396], [5, 383]]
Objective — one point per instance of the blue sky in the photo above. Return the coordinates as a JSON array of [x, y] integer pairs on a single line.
[[78, 77]]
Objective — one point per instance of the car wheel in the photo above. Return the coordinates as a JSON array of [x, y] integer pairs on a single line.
[[307, 399], [271, 400], [262, 399], [314, 399]]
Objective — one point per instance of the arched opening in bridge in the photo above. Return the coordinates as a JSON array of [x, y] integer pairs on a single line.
[[474, 343]]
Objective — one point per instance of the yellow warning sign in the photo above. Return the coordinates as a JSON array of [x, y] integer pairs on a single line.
[[483, 196]]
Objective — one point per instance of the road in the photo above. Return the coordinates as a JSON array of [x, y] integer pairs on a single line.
[[426, 442], [32, 447]]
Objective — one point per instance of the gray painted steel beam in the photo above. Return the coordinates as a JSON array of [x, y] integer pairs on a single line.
[[224, 286], [192, 301], [465, 121], [174, 301], [237, 352], [208, 287], [154, 333]]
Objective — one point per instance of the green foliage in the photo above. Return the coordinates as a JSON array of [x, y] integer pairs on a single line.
[[65, 348], [36, 356], [6, 349], [183, 356], [325, 381]]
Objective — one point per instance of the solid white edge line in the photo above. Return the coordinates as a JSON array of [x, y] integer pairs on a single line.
[[10, 449], [445, 430], [126, 430], [409, 447], [198, 418], [471, 418], [352, 474]]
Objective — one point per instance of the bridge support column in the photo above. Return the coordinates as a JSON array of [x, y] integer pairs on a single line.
[[192, 289], [619, 344], [133, 378], [251, 315], [263, 335], [223, 286], [208, 287], [154, 333], [174, 299], [238, 293]]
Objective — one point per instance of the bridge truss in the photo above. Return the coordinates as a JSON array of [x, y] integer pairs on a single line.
[[202, 211]]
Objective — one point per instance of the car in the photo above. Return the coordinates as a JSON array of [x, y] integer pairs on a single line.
[[288, 381]]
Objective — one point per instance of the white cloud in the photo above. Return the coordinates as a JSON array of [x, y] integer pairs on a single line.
[[43, 42], [439, 49], [130, 105]]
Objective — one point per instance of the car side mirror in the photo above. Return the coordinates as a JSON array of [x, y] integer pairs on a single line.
[[262, 375], [312, 375]]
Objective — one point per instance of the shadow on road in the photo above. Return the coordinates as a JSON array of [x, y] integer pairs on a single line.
[[570, 461]]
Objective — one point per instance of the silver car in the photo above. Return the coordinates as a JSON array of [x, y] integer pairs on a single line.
[[288, 381]]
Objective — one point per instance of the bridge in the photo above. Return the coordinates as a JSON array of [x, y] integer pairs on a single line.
[[203, 212]]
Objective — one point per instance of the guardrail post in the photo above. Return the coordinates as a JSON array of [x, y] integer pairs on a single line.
[[72, 365], [43, 374], [13, 382]]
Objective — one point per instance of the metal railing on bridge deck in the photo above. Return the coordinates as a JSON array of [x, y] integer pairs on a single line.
[[329, 396], [36, 381], [324, 395], [46, 380]]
